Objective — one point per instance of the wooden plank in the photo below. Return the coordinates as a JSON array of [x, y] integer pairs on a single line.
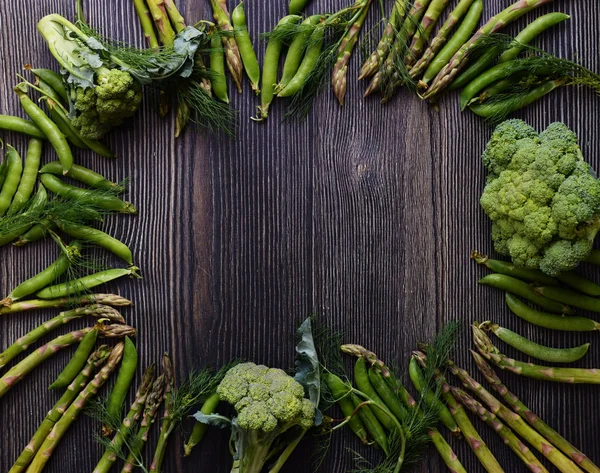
[[365, 214]]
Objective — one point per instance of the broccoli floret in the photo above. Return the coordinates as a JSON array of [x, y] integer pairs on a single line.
[[268, 403], [542, 198]]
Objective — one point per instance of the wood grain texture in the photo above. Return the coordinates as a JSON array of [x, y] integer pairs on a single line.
[[365, 214]]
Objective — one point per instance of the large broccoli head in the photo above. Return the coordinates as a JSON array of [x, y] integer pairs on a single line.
[[542, 198], [115, 97], [265, 398]]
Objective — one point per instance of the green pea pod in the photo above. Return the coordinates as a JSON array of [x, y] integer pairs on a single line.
[[242, 38], [200, 428], [387, 394], [504, 267], [531, 31], [45, 277], [308, 63], [217, 69], [85, 283], [55, 81], [478, 67], [36, 233], [296, 50], [270, 67], [541, 352], [100, 200], [361, 378], [3, 170], [29, 176], [12, 180], [568, 296], [83, 175], [297, 6], [125, 377], [47, 126], [373, 426], [339, 390], [416, 376], [20, 125], [77, 362], [550, 321], [580, 283], [22, 226]]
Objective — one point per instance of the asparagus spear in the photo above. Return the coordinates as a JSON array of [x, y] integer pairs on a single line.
[[538, 424], [515, 422], [135, 412], [168, 423], [35, 304], [94, 310], [24, 367], [377, 57], [161, 21], [530, 370], [493, 25], [232, 53], [440, 39], [146, 22], [481, 450], [95, 360], [153, 402], [176, 18], [340, 69], [422, 35], [71, 414], [507, 435]]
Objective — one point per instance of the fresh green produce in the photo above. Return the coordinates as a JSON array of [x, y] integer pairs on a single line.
[[94, 362], [28, 178], [77, 362], [530, 370], [64, 423], [515, 422], [503, 267], [551, 321], [541, 197], [463, 32], [12, 179], [425, 30], [270, 65], [541, 352], [85, 283], [35, 304], [20, 125], [53, 80], [115, 402], [530, 32], [123, 431], [83, 175], [242, 38], [475, 442], [268, 403], [145, 18], [361, 379], [508, 437], [579, 283], [208, 407], [564, 295], [438, 42], [45, 277], [232, 52], [12, 227], [538, 424], [23, 343], [520, 288], [341, 393], [217, 69], [297, 6]]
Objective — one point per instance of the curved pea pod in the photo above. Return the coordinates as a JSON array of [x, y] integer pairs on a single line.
[[12, 180], [363, 383], [297, 6], [340, 392], [23, 225], [217, 69], [104, 201], [20, 125], [85, 283], [541, 352], [29, 176], [35, 233], [77, 362], [83, 175], [240, 29], [124, 379], [45, 277], [373, 426], [3, 170], [54, 80]]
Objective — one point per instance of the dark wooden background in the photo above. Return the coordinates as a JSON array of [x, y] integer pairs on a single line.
[[364, 214]]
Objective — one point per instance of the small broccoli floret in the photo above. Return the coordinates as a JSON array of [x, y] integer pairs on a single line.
[[542, 198], [268, 403]]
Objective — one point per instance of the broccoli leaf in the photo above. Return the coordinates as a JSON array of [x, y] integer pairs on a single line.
[[308, 368], [216, 420]]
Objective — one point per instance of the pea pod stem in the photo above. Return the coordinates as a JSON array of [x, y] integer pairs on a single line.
[[85, 283], [522, 289], [531, 418], [530, 370], [541, 352], [94, 362], [515, 422], [550, 321], [23, 343], [530, 32]]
